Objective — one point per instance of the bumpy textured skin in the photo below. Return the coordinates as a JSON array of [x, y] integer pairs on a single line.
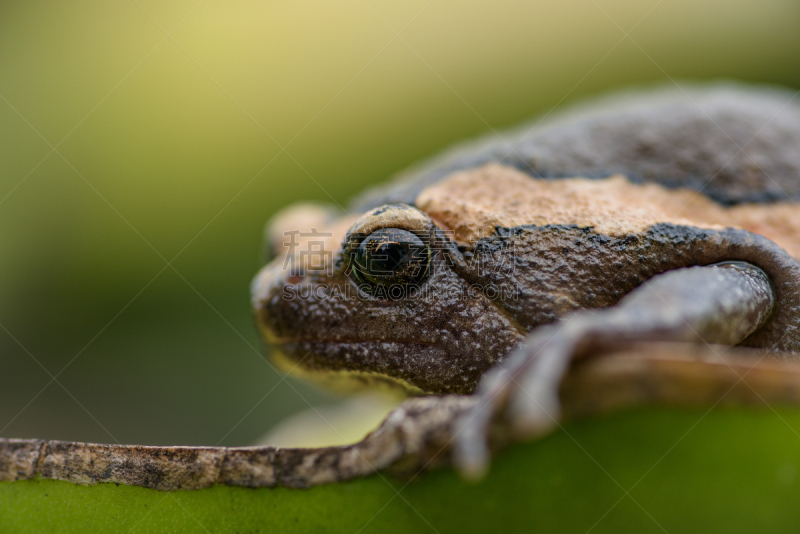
[[559, 269], [441, 340], [734, 143], [412, 436]]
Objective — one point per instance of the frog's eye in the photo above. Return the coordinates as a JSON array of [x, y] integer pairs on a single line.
[[390, 262]]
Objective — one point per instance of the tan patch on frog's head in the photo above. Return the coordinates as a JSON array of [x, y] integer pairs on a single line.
[[391, 216], [310, 233], [473, 203]]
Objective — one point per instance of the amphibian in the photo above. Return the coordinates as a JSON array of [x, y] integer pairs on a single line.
[[667, 216], [567, 268]]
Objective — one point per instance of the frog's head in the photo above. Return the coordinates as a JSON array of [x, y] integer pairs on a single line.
[[431, 293], [374, 298]]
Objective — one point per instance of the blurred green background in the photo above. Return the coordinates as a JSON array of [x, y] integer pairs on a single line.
[[143, 144]]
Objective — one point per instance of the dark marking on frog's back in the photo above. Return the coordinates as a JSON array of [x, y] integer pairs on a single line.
[[732, 143], [552, 270]]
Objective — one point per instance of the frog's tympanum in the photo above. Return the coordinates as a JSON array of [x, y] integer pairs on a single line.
[[604, 257]]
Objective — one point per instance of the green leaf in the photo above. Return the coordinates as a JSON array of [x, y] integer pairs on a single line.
[[644, 470]]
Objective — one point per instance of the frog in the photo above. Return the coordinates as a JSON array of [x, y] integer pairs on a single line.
[[642, 249], [478, 281]]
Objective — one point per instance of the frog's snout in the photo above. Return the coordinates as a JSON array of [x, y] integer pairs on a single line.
[[292, 293]]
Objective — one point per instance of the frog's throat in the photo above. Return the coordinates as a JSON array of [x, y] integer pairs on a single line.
[[342, 380]]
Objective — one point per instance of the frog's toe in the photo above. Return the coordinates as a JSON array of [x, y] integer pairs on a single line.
[[519, 399], [470, 448], [535, 408], [532, 413], [471, 455]]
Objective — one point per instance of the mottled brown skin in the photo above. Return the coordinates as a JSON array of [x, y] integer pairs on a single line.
[[412, 341], [442, 341], [570, 216], [737, 144], [589, 270], [560, 245], [600, 209]]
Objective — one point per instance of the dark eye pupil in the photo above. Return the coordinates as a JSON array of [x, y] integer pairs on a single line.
[[390, 258], [395, 254]]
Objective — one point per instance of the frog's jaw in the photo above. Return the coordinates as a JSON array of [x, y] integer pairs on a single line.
[[359, 364], [342, 380], [438, 340], [437, 335]]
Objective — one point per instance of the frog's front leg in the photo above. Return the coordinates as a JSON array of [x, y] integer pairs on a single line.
[[722, 304]]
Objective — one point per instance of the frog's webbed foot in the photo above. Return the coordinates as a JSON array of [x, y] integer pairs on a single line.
[[519, 398]]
